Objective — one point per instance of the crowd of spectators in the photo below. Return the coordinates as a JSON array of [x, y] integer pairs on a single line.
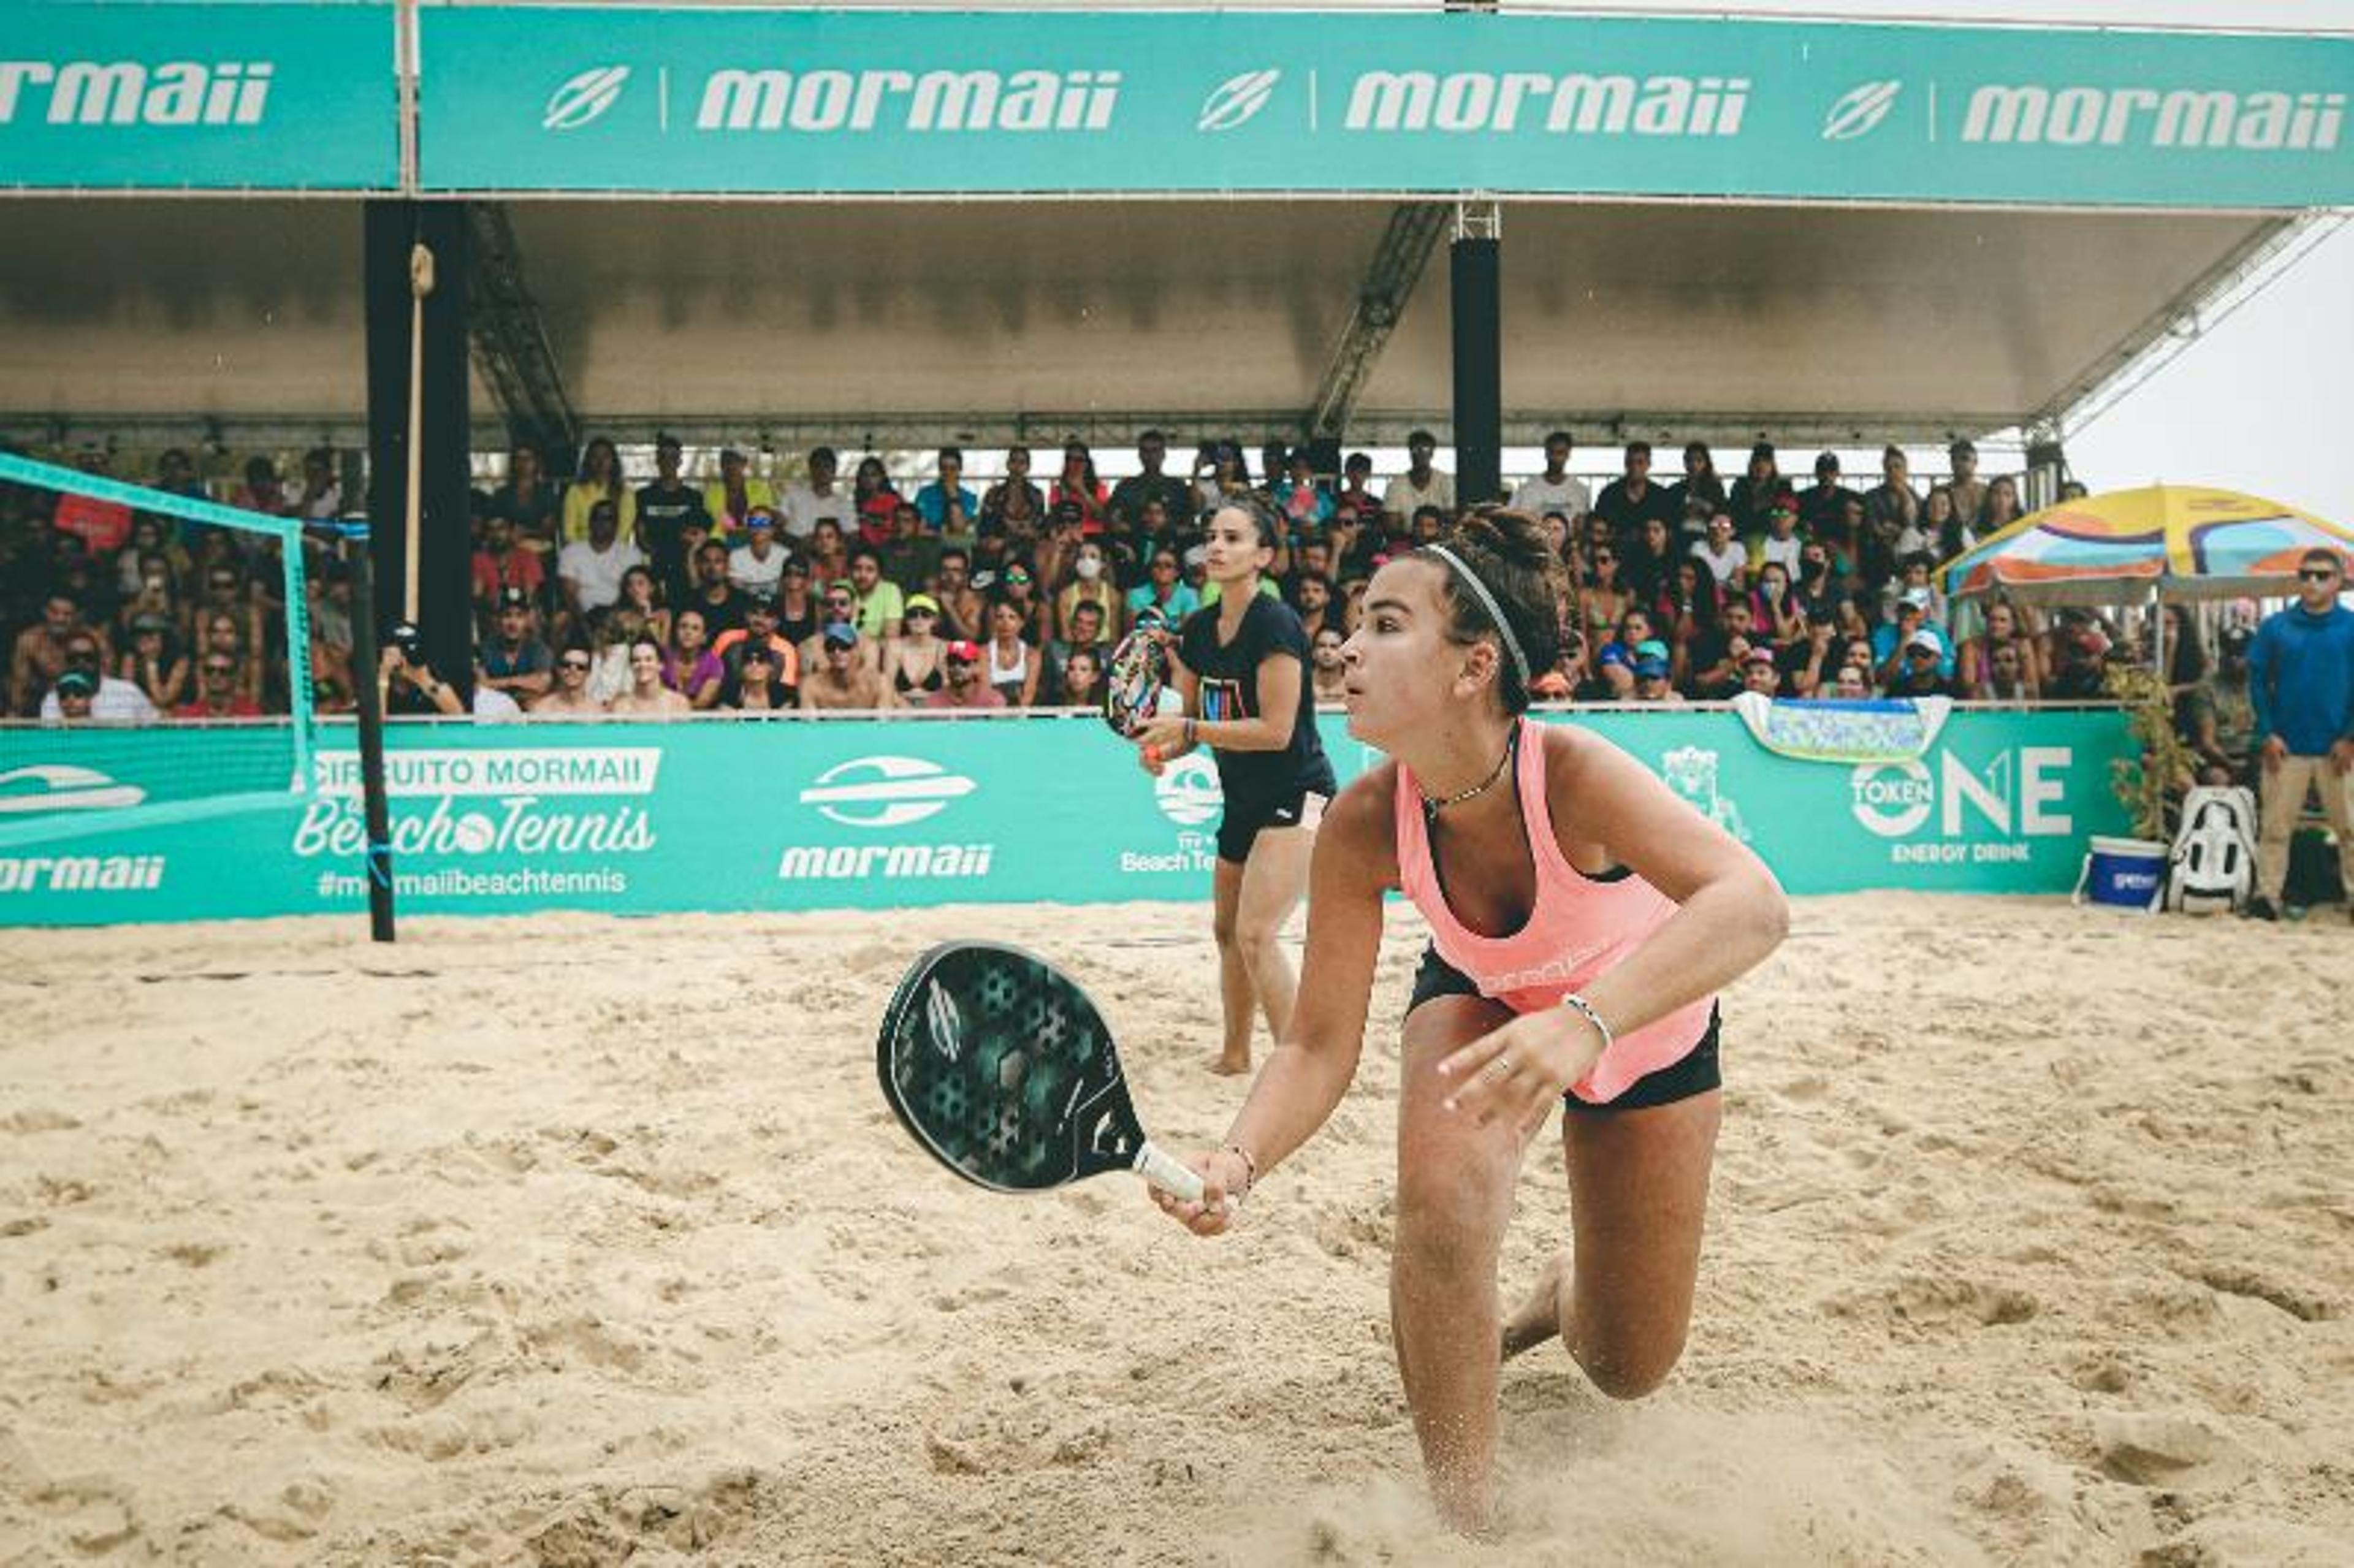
[[651, 594]]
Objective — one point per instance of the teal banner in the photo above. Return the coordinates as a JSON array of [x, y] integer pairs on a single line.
[[717, 815], [520, 99], [197, 97]]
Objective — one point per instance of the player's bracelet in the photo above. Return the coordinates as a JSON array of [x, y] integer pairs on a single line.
[[1189, 731], [1250, 1166], [1588, 1011]]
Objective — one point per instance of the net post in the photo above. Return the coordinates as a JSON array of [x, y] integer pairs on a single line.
[[369, 691]]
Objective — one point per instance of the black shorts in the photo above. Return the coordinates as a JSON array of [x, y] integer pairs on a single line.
[[1245, 819], [1693, 1073]]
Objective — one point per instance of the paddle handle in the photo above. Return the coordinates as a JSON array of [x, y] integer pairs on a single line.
[[1180, 1181]]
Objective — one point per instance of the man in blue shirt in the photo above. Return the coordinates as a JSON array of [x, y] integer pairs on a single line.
[[932, 501], [2301, 685]]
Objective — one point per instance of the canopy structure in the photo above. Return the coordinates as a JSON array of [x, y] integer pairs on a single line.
[[2181, 542], [902, 228]]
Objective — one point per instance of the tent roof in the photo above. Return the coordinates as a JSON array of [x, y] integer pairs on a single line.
[[914, 323]]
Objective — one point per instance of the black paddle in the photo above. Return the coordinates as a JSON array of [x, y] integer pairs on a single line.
[[1004, 1071]]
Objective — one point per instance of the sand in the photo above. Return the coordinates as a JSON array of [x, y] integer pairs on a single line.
[[577, 1240]]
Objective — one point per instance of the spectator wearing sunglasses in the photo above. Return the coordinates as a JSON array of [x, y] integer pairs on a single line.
[[571, 699], [836, 606], [2301, 686], [112, 701], [220, 695]]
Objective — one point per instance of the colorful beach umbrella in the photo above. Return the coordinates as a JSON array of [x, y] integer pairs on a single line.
[[2185, 541]]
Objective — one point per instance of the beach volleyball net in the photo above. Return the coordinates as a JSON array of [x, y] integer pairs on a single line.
[[141, 619]]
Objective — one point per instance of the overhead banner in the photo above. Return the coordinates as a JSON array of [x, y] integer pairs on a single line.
[[714, 815], [524, 98], [197, 97]]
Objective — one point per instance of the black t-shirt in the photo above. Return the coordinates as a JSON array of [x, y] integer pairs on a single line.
[[1229, 675], [662, 516], [1627, 513], [723, 615]]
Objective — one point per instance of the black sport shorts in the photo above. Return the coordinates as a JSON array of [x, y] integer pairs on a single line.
[[1245, 820], [1693, 1073]]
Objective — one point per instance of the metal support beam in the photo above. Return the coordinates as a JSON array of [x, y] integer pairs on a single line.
[[1390, 278], [511, 343], [1475, 259]]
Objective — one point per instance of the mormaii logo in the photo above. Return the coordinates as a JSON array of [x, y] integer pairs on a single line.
[[884, 791], [1187, 791], [2145, 116], [126, 92], [584, 99], [1859, 111], [1579, 102], [1237, 100], [932, 101], [63, 786]]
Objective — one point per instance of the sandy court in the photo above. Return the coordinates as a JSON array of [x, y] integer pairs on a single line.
[[573, 1240]]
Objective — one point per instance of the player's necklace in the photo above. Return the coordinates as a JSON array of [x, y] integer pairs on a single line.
[[1433, 804]]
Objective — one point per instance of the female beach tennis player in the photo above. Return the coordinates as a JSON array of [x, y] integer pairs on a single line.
[[1583, 917], [1242, 669]]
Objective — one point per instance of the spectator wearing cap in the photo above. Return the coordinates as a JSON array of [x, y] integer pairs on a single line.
[[406, 682], [647, 697], [2077, 669], [1556, 489], [755, 682], [914, 658], [1893, 638], [1754, 492], [1822, 505], [112, 701], [964, 686], [2301, 689], [1781, 542], [500, 564], [1760, 674], [154, 662], [72, 701], [760, 628], [729, 499], [1421, 484], [515, 661], [1966, 488], [1652, 685], [758, 560], [589, 570], [1631, 500], [1918, 670], [838, 604], [846, 680]]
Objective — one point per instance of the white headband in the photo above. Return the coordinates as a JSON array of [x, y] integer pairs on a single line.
[[1486, 602]]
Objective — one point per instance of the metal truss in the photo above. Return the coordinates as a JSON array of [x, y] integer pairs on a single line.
[[510, 341], [1396, 268]]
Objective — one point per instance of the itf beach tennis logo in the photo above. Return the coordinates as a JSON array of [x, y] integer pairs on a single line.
[[884, 791], [584, 99], [1861, 110], [1237, 100], [1187, 791]]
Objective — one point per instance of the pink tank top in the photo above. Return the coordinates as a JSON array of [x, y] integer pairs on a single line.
[[1578, 930]]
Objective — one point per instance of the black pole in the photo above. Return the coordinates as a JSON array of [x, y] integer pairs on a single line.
[[1473, 262], [370, 691]]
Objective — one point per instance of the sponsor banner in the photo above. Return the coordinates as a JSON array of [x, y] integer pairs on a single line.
[[180, 97], [624, 99], [648, 819]]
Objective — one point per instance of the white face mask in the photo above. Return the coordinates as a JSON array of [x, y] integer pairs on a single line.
[[1088, 567]]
